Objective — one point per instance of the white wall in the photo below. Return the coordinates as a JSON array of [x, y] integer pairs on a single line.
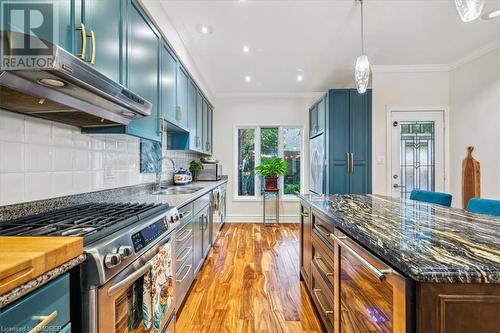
[[262, 110], [417, 87], [475, 121]]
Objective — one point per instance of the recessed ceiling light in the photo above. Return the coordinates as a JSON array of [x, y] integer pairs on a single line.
[[300, 78], [246, 49], [248, 78], [204, 29], [491, 15]]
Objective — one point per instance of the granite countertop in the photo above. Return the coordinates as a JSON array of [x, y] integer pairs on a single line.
[[427, 243]]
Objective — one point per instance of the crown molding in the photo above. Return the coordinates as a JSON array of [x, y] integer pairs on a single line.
[[475, 54], [410, 68], [298, 95]]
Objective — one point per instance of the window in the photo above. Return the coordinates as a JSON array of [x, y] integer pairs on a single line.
[[255, 145]]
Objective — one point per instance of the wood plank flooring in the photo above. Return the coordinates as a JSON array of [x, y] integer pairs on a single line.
[[250, 283]]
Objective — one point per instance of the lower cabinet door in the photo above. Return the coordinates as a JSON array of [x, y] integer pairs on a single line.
[[198, 242], [323, 297]]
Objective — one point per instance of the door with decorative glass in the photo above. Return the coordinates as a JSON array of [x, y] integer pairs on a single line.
[[417, 152]]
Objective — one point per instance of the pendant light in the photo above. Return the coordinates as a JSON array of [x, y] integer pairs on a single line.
[[469, 10], [362, 69]]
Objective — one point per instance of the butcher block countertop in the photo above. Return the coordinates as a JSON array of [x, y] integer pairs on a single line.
[[22, 259]]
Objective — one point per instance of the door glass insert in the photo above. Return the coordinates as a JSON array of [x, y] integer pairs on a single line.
[[417, 158]]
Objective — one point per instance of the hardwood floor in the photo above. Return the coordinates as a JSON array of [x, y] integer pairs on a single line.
[[250, 283]]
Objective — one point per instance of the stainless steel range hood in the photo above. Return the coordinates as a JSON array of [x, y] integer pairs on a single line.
[[65, 89]]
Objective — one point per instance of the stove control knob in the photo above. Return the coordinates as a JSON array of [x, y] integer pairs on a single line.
[[125, 251], [176, 217], [113, 259], [172, 220]]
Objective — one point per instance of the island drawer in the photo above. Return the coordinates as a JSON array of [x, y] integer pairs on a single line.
[[48, 305], [323, 260], [323, 298], [323, 229]]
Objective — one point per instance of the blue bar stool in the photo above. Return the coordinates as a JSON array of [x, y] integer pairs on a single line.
[[438, 198], [484, 206]]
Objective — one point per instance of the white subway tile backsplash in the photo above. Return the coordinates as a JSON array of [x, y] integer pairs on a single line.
[[81, 141], [82, 181], [81, 160], [97, 160], [62, 183], [98, 143], [38, 157], [63, 135], [11, 157], [62, 158], [11, 127], [11, 188], [38, 131], [38, 186], [97, 180]]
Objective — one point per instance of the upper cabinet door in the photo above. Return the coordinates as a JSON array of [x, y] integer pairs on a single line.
[[182, 98], [210, 129], [143, 68], [199, 121], [168, 85], [103, 25], [205, 126], [192, 93]]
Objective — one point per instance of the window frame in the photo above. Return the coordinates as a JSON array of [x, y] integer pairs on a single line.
[[281, 152]]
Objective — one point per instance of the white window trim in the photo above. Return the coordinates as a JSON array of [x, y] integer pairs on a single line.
[[257, 128]]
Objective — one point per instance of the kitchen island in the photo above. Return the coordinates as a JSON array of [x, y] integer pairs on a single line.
[[373, 263]]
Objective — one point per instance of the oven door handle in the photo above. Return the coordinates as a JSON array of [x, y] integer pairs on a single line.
[[128, 280]]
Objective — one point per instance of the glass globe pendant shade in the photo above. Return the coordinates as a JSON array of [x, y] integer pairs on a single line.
[[362, 73], [469, 10]]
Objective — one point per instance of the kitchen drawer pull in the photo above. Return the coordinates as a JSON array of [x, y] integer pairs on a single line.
[[186, 214], [44, 322], [184, 254], [187, 268], [186, 234], [326, 312], [320, 263], [84, 41], [322, 230], [379, 273]]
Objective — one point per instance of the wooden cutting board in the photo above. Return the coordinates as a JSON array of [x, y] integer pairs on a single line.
[[25, 258], [471, 178]]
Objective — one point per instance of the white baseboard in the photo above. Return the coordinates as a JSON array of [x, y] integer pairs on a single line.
[[258, 218]]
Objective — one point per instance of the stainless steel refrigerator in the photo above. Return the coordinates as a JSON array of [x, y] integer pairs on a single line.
[[317, 164]]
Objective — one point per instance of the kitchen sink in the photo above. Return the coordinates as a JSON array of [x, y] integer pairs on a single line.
[[178, 190]]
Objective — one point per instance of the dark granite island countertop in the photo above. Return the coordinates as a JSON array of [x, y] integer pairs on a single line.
[[426, 243]]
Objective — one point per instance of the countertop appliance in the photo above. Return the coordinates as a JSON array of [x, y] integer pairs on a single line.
[[317, 164], [211, 171], [65, 89], [119, 240], [219, 210]]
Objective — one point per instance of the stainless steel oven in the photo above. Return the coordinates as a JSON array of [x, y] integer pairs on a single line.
[[119, 301]]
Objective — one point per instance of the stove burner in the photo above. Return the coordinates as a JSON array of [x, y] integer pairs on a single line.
[[92, 221]]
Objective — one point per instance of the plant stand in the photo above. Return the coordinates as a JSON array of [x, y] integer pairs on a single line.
[[270, 198]]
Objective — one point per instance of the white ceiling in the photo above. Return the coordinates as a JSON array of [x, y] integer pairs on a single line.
[[320, 37]]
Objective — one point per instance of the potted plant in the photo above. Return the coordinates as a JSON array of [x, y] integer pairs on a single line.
[[271, 169], [195, 166]]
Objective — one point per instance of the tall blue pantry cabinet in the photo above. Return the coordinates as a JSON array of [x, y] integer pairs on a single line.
[[348, 151]]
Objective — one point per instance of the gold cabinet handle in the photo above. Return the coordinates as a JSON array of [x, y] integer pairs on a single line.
[[84, 41], [321, 265], [44, 321], [185, 236], [326, 312], [351, 158], [92, 40], [188, 268]]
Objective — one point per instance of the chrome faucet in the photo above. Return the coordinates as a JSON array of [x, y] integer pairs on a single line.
[[159, 171]]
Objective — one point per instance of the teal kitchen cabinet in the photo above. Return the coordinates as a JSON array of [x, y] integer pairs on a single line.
[[100, 24], [205, 127], [143, 70], [199, 121], [349, 141], [15, 21], [192, 104], [51, 301], [182, 98], [210, 124], [168, 85]]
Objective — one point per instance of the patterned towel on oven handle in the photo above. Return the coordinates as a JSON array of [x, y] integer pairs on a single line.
[[158, 290]]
